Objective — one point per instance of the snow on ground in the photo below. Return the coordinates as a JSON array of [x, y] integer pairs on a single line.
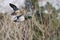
[[4, 5], [55, 3], [42, 2]]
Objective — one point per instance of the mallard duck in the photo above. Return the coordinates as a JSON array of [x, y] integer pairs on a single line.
[[18, 14]]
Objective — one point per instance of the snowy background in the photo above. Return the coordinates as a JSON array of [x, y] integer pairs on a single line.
[[54, 3], [4, 5]]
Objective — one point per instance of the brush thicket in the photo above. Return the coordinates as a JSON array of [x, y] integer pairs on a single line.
[[40, 27]]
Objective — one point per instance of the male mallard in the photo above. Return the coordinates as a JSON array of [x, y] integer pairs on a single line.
[[18, 14]]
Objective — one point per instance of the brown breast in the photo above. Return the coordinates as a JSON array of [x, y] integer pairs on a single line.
[[19, 12]]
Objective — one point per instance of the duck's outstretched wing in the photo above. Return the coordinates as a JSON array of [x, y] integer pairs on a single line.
[[13, 6]]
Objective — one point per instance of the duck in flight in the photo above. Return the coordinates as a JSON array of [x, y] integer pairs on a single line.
[[19, 15]]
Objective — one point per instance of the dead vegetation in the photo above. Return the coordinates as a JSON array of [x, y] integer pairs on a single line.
[[41, 27], [30, 29]]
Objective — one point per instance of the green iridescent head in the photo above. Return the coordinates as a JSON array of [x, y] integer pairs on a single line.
[[29, 17]]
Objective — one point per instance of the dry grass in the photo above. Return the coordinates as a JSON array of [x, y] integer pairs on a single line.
[[14, 31], [30, 29]]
